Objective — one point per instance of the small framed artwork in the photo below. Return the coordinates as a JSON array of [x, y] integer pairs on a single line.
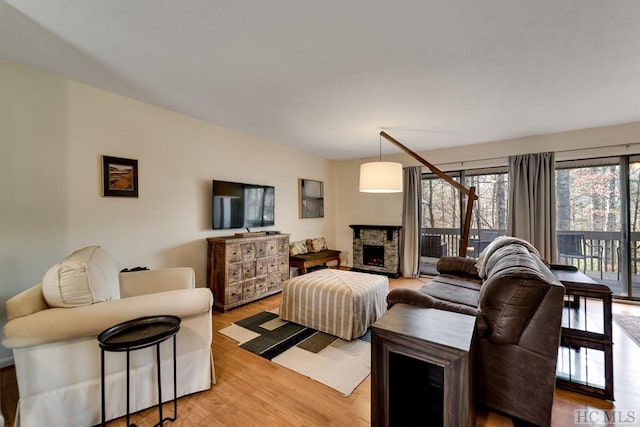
[[119, 177], [311, 198]]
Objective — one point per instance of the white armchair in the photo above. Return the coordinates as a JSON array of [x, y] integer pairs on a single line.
[[57, 357]]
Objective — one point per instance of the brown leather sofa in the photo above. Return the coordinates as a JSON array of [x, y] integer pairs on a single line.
[[518, 305]]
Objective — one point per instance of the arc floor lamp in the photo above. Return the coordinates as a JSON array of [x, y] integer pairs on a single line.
[[386, 177]]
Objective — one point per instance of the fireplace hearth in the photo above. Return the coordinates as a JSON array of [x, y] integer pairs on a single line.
[[376, 249]]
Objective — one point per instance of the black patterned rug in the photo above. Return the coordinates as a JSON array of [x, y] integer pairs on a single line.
[[273, 342], [630, 325], [338, 363]]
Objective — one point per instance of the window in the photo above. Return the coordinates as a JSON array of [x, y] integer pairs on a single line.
[[596, 201], [442, 214]]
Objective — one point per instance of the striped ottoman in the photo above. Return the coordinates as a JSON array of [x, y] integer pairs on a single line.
[[338, 302]]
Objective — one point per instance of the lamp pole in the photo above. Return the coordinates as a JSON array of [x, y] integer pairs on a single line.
[[469, 192]]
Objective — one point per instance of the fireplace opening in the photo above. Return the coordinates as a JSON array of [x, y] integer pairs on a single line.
[[373, 255]]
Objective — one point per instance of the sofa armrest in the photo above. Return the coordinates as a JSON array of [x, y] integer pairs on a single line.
[[409, 296], [26, 302], [60, 324], [146, 282], [420, 299]]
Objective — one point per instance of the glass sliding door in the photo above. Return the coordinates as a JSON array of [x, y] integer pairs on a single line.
[[589, 221], [442, 212], [440, 218], [630, 254], [490, 210]]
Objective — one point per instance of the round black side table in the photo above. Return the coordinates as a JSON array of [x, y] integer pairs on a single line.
[[137, 334]]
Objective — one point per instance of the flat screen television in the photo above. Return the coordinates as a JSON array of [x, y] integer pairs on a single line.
[[239, 205]]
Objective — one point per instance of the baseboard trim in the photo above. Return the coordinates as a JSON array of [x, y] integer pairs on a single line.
[[6, 362]]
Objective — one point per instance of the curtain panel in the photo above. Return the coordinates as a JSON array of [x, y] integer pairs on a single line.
[[411, 222], [532, 201]]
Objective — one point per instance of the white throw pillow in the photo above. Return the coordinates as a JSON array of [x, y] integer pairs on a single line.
[[87, 276]]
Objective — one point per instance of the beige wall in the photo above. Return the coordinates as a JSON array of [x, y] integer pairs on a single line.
[[386, 209], [52, 134]]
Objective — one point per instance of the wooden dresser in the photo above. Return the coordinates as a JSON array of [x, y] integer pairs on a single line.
[[244, 269]]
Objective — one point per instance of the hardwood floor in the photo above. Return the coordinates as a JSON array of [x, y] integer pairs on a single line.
[[253, 391]]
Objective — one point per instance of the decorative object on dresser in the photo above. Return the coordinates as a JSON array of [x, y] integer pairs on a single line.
[[376, 249], [244, 269]]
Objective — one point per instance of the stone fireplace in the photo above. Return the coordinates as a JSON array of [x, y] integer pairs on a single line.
[[376, 249]]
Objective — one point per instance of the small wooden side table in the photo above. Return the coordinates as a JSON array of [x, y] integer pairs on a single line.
[[421, 349], [134, 335]]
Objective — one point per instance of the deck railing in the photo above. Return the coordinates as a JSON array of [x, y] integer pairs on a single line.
[[609, 241]]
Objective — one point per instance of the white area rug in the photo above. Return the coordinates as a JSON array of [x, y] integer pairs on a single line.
[[341, 365], [238, 333]]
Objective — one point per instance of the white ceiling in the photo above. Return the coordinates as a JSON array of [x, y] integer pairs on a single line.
[[325, 76]]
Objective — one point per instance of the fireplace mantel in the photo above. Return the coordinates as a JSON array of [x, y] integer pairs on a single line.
[[388, 228], [375, 227]]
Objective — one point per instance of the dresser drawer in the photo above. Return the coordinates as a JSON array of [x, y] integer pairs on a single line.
[[261, 267], [248, 269], [272, 264], [235, 272], [274, 282], [260, 249], [233, 253], [261, 286], [248, 289], [233, 293], [248, 251], [272, 247]]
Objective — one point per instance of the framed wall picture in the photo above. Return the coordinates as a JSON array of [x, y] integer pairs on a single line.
[[119, 177], [311, 198]]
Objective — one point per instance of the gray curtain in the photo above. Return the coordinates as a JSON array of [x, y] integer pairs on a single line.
[[411, 224], [532, 201]]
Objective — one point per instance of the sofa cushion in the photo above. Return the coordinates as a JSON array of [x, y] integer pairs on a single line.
[[316, 245], [298, 248], [454, 289], [458, 266], [86, 276]]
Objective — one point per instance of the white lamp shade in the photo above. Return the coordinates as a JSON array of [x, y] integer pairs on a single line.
[[381, 177]]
